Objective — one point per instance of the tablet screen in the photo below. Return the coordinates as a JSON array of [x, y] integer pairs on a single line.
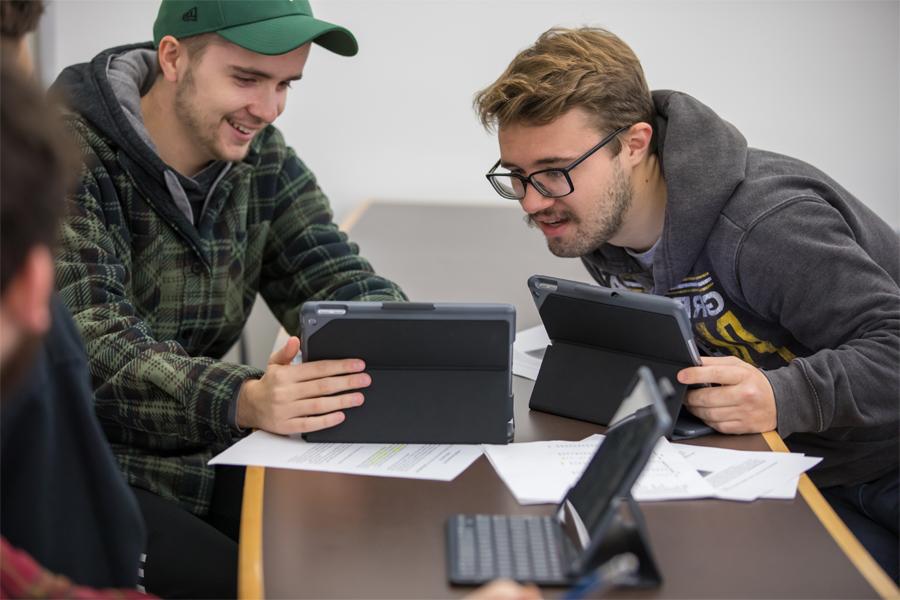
[[615, 466]]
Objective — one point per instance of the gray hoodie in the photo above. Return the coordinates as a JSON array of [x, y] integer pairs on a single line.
[[780, 266]]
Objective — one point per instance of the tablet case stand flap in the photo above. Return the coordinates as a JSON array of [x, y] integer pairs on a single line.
[[628, 533], [588, 383], [448, 407]]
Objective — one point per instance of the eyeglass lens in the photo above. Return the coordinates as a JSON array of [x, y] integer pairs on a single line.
[[549, 183]]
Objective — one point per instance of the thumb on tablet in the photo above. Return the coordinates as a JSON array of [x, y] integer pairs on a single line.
[[286, 354]]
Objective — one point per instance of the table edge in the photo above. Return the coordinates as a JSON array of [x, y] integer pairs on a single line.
[[838, 530], [250, 564]]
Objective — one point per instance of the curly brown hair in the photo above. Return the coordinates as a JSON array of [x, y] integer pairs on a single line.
[[588, 68]]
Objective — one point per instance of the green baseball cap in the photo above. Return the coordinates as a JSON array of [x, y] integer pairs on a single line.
[[263, 26]]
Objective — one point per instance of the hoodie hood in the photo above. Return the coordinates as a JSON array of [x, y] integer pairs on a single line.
[[106, 92], [703, 159], [87, 90]]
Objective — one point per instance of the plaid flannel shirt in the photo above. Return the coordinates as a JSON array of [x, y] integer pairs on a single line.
[[159, 300]]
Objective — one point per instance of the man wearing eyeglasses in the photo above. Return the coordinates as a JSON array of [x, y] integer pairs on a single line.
[[791, 283]]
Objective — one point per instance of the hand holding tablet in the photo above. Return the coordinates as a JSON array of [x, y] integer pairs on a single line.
[[300, 398]]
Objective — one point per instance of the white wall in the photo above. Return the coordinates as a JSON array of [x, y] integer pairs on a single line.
[[819, 80]]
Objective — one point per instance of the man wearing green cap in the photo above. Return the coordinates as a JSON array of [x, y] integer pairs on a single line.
[[190, 204]]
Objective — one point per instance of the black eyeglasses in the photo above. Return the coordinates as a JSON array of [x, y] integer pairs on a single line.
[[552, 183]]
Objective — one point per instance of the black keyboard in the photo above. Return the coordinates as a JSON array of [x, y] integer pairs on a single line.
[[524, 548]]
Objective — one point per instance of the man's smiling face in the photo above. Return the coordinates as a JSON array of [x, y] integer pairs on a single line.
[[229, 94]]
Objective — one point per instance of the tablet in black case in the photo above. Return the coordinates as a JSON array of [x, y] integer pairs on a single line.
[[600, 336], [441, 373]]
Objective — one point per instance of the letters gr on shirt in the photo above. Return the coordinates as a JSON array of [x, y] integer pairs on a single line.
[[718, 327]]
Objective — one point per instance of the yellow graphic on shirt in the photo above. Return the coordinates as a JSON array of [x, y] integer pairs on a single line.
[[738, 341], [692, 285], [627, 283], [706, 308]]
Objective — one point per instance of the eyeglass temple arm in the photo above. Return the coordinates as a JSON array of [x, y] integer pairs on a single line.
[[599, 145]]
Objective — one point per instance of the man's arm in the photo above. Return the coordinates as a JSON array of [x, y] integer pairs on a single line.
[[307, 257], [801, 267], [158, 395]]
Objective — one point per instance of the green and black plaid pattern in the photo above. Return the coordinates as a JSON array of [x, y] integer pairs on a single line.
[[159, 300]]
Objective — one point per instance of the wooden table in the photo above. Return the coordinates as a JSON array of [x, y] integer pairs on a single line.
[[322, 535]]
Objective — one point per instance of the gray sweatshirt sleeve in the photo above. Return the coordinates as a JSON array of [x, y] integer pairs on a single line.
[[801, 266]]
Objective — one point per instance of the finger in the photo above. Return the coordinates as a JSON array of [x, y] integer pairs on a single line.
[[730, 427], [285, 354], [316, 423], [329, 386], [504, 589], [713, 397], [288, 392], [531, 592], [322, 369], [721, 360], [718, 414], [723, 374], [320, 406]]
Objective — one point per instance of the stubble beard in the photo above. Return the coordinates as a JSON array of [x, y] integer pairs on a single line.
[[598, 227], [205, 135]]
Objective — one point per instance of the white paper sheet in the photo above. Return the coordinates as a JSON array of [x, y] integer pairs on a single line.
[[784, 491], [746, 475], [439, 462], [533, 338], [528, 351], [668, 476], [542, 472]]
